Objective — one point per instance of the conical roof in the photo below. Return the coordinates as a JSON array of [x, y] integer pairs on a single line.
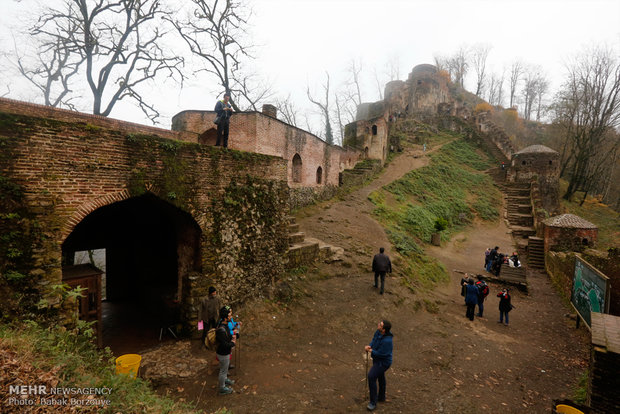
[[569, 221]]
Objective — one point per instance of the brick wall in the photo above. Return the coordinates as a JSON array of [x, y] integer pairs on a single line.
[[568, 239], [69, 164], [603, 393]]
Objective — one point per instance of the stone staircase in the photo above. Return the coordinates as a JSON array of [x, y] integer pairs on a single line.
[[304, 250], [519, 213], [536, 252]]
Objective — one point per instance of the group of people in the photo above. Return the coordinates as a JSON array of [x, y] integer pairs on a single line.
[[494, 260], [475, 293], [213, 315]]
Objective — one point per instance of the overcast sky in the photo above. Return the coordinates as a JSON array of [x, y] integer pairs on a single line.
[[301, 39]]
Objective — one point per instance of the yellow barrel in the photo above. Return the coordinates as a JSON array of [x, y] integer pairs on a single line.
[[567, 409], [128, 364]]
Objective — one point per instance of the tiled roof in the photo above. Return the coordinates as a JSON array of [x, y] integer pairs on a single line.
[[536, 149], [569, 221]]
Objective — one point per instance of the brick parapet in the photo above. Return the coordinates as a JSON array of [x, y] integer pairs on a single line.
[[603, 395]]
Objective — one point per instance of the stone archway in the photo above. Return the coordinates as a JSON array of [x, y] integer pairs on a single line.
[[297, 168], [151, 246]]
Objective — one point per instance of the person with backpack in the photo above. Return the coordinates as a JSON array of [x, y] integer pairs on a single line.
[[492, 258], [483, 292], [225, 344], [380, 348], [504, 305], [223, 111], [209, 311], [471, 299]]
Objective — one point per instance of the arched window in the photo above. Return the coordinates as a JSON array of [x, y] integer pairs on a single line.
[[319, 175], [374, 130], [296, 168]]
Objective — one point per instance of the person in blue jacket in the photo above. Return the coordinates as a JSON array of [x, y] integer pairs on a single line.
[[471, 299], [380, 349]]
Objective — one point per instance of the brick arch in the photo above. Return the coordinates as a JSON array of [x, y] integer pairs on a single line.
[[88, 207]]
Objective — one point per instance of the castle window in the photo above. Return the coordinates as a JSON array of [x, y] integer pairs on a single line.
[[296, 168], [319, 175], [550, 162], [374, 130], [523, 162], [419, 82]]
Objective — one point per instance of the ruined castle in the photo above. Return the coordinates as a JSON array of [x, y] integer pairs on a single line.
[[176, 214]]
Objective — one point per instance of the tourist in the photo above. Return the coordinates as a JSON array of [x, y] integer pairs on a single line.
[[381, 264], [496, 268], [504, 305], [208, 312], [223, 111], [225, 343], [233, 329], [380, 349], [471, 299], [486, 257], [464, 281], [483, 292], [492, 257], [514, 260]]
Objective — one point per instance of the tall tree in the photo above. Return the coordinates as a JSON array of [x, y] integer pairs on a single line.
[[588, 111], [354, 70], [120, 42], [287, 110], [480, 54], [459, 65], [324, 109], [216, 32], [516, 70]]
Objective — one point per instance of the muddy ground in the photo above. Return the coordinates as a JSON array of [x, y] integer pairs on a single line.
[[308, 356]]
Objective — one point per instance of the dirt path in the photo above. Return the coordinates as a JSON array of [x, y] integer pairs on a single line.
[[308, 357]]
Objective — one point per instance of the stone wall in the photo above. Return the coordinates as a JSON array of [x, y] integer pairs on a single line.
[[561, 239], [561, 268], [603, 395], [257, 132], [58, 171]]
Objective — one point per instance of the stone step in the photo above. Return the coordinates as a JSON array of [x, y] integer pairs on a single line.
[[522, 231], [291, 219], [295, 238], [303, 253], [293, 228]]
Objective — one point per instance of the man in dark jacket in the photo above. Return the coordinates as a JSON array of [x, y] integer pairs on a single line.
[[492, 258], [483, 292], [208, 313], [223, 110], [380, 349], [381, 265], [471, 299], [225, 343]]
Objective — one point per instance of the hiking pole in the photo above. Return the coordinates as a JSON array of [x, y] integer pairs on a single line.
[[366, 371]]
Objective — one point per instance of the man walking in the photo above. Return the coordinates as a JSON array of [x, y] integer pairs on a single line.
[[380, 349], [225, 343], [381, 265], [223, 111]]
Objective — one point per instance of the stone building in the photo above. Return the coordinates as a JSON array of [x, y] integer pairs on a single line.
[[173, 217], [311, 162], [568, 232], [428, 88], [544, 164], [369, 133]]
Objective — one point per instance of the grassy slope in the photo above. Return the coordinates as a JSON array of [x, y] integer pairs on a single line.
[[452, 187], [70, 358]]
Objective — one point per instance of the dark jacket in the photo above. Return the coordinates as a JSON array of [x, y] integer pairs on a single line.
[[224, 340], [464, 285], [382, 347], [381, 263], [471, 294], [504, 301], [209, 309], [219, 110], [493, 254]]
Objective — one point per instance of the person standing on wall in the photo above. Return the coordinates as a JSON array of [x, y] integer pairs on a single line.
[[380, 349], [381, 264], [223, 111]]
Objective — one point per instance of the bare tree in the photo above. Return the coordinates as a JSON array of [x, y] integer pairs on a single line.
[[588, 111], [378, 83], [216, 32], [542, 87], [480, 54], [345, 110], [50, 64], [324, 109], [459, 65], [530, 87], [393, 68], [516, 70], [120, 43], [354, 69], [287, 110]]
